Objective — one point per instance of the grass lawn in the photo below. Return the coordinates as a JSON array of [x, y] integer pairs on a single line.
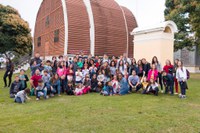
[[134, 113]]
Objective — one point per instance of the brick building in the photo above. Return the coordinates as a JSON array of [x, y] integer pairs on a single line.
[[93, 26]]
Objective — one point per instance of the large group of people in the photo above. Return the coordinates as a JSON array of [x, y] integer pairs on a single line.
[[81, 75]]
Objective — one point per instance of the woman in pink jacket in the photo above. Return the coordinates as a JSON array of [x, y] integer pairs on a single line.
[[153, 73], [61, 70]]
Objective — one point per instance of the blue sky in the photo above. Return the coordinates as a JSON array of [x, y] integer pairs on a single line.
[[147, 12]]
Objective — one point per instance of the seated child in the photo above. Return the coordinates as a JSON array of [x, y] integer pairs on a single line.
[[41, 90], [70, 89], [115, 85], [21, 96], [86, 84], [78, 91], [144, 84], [107, 89], [79, 76], [23, 79], [15, 87], [94, 83], [152, 87]]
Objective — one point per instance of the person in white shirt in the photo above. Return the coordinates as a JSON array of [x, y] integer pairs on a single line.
[[85, 71], [21, 96], [79, 76], [181, 76]]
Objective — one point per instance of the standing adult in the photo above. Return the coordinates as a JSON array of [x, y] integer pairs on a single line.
[[67, 63], [37, 59], [133, 66], [169, 69], [122, 67], [8, 72], [0, 62], [54, 64], [105, 58], [74, 63], [181, 76], [159, 69], [146, 66], [126, 59], [140, 69], [175, 80]]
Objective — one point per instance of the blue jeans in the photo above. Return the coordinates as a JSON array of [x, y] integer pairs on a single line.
[[18, 100], [170, 87], [44, 91], [136, 89], [183, 87], [56, 88]]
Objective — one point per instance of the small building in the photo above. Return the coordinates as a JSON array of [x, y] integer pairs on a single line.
[[94, 27], [157, 40]]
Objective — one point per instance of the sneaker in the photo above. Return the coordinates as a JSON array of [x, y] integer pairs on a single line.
[[162, 91], [59, 95], [52, 95], [183, 96], [37, 99], [175, 93], [46, 97], [180, 95]]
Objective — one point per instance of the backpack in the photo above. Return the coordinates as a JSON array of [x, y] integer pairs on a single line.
[[188, 74]]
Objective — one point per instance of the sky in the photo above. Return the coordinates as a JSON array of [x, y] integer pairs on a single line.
[[147, 12]]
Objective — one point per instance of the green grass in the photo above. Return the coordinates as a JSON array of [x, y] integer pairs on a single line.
[[93, 113]]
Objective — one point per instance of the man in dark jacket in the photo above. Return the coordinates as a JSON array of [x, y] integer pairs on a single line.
[[74, 63], [168, 80], [146, 66], [37, 59]]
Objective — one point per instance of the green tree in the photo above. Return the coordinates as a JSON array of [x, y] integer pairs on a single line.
[[186, 14], [15, 33]]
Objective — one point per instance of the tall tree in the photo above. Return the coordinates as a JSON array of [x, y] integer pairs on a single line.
[[15, 33], [186, 14]]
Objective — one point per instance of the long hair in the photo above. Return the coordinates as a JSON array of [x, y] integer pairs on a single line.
[[120, 64], [153, 62], [181, 63], [112, 62], [53, 79], [139, 65], [133, 61]]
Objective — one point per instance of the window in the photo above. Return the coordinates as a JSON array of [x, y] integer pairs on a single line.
[[47, 21], [39, 41], [56, 36]]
